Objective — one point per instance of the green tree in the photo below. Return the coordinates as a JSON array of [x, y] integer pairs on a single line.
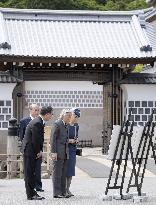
[[126, 5], [137, 4], [138, 68], [110, 5], [65, 4], [13, 3], [87, 5], [76, 4], [50, 4]]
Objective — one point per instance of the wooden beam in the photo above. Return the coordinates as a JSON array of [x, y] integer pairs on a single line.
[[77, 60], [67, 75]]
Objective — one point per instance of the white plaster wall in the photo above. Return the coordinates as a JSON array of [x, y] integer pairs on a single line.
[[62, 85], [139, 92], [91, 118], [142, 99], [150, 70], [6, 90]]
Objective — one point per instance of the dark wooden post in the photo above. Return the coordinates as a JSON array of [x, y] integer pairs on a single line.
[[112, 106]]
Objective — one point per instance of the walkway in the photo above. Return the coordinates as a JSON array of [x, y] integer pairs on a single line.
[[87, 186]]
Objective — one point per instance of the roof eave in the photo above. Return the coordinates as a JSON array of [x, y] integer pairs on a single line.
[[139, 78], [82, 60]]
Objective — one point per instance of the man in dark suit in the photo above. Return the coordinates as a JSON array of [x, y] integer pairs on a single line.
[[59, 149], [32, 146], [34, 112]]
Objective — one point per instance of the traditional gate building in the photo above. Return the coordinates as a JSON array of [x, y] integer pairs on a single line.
[[139, 88], [70, 59]]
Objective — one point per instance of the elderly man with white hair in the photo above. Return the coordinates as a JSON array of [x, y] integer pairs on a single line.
[[60, 154]]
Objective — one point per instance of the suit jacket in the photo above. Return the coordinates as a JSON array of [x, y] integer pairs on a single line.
[[23, 124], [33, 139], [59, 140]]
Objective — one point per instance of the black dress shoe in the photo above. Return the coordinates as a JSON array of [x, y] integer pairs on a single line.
[[40, 196], [66, 195], [35, 198], [59, 196], [40, 190], [70, 194]]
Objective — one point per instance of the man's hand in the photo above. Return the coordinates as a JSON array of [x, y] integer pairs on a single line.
[[54, 156], [72, 141]]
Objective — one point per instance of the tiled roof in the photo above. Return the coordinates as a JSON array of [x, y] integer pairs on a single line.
[[149, 15], [149, 69], [7, 78], [76, 34], [139, 78]]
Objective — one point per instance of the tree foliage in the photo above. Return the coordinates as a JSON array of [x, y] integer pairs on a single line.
[[138, 68], [76, 4], [13, 3]]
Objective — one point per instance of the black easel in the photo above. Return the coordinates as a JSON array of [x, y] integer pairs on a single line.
[[146, 141], [126, 133]]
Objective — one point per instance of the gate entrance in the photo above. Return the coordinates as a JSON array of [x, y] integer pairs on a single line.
[[96, 47]]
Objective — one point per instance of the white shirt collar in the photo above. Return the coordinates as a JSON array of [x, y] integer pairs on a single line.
[[32, 117], [64, 122], [42, 119]]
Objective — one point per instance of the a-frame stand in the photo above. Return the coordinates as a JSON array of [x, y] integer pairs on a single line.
[[145, 144], [125, 135]]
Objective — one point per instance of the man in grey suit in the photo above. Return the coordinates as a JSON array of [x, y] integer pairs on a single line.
[[59, 149], [32, 147]]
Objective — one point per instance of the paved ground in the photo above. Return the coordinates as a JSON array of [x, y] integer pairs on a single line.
[[88, 188], [97, 165]]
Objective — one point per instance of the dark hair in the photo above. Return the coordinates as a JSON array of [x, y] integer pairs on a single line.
[[77, 112], [46, 110]]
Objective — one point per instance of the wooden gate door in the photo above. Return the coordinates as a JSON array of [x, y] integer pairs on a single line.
[[112, 106]]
